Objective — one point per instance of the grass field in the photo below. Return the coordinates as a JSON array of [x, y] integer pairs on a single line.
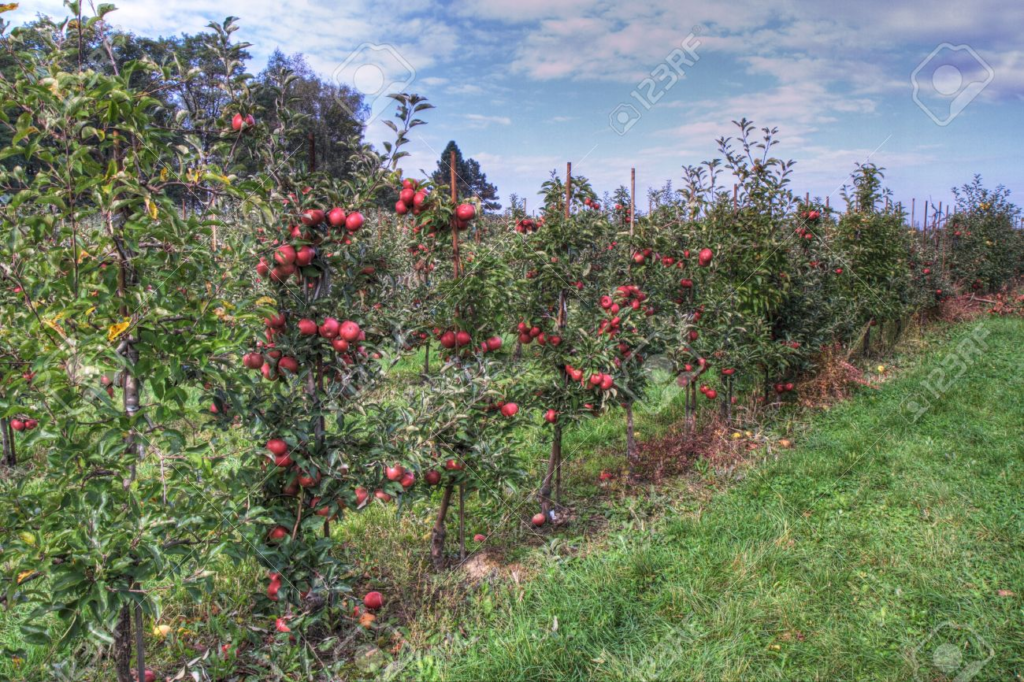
[[881, 548]]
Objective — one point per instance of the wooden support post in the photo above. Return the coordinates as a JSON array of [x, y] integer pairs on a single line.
[[312, 153], [456, 261], [568, 188], [632, 200]]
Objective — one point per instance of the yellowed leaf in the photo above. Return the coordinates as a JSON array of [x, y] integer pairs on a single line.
[[24, 575], [116, 330], [8, 7]]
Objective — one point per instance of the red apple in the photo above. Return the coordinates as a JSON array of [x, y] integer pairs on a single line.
[[361, 495], [307, 327], [448, 339], [17, 425], [393, 473], [462, 339], [277, 447], [704, 257], [509, 409], [465, 212], [274, 586], [538, 519], [354, 221], [285, 255], [336, 217], [350, 331], [432, 477], [453, 465], [551, 416], [339, 344], [304, 256], [373, 600], [407, 480], [330, 328], [277, 533], [237, 121], [312, 217], [289, 364]]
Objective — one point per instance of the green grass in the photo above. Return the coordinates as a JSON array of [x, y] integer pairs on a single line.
[[853, 557]]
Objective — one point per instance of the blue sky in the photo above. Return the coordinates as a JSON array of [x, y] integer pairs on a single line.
[[525, 85]]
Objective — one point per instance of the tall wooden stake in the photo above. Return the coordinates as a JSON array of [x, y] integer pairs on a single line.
[[312, 153], [568, 188], [924, 225], [456, 261], [632, 200]]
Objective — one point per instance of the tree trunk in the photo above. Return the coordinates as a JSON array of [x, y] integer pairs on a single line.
[[439, 532], [462, 522], [728, 400], [554, 461], [123, 645], [7, 439], [632, 458], [426, 360], [558, 479], [140, 647]]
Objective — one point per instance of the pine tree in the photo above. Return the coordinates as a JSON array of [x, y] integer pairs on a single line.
[[471, 180]]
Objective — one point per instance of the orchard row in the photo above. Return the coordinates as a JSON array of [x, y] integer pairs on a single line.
[[155, 261]]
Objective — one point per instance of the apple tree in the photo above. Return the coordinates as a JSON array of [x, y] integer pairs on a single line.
[[120, 323]]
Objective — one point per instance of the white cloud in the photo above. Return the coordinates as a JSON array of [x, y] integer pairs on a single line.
[[482, 121]]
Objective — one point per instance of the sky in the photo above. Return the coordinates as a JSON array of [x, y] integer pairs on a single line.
[[931, 90]]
